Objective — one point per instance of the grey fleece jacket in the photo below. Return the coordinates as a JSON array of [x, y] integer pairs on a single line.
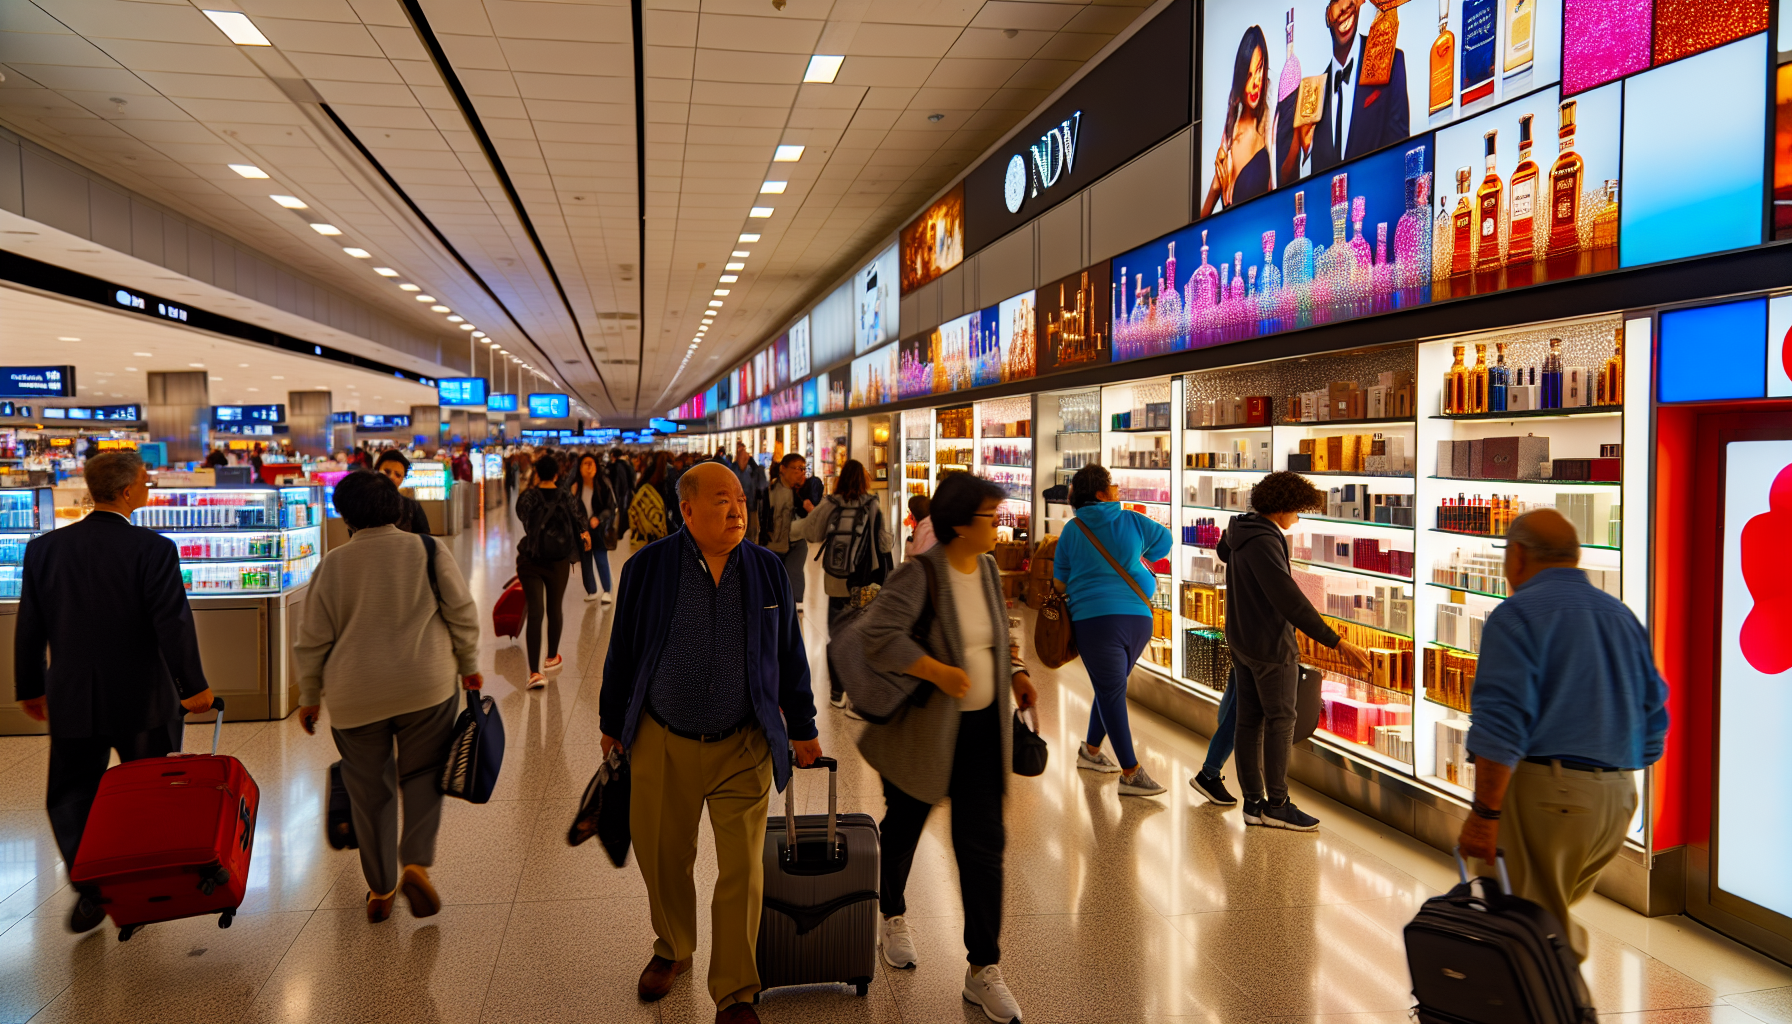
[[1264, 606], [914, 750], [375, 643]]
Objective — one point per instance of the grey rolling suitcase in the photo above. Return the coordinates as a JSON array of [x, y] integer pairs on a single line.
[[819, 924]]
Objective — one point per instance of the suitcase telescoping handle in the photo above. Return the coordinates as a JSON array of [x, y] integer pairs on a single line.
[[218, 726], [1499, 862], [833, 768]]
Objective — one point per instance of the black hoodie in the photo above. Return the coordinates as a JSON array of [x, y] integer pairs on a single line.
[[1264, 606]]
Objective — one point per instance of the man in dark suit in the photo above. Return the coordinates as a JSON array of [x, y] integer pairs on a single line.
[[106, 599], [1357, 118]]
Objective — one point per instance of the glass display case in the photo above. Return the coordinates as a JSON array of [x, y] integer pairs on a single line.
[[432, 484], [232, 541], [1138, 446], [25, 512], [1072, 419]]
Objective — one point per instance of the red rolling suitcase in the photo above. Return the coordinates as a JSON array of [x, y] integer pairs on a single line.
[[170, 837], [507, 611]]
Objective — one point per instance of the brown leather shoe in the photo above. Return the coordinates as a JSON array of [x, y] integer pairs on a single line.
[[737, 1013], [419, 892], [380, 907], [657, 977]]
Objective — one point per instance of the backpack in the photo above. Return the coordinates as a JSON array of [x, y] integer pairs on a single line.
[[847, 544], [549, 536]]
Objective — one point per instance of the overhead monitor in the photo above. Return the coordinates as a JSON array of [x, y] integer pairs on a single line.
[[225, 414], [461, 391], [549, 406], [37, 382], [500, 403]]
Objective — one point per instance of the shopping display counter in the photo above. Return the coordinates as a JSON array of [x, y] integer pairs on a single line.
[[433, 485]]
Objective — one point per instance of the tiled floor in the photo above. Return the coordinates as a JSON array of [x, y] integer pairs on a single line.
[[1136, 910]]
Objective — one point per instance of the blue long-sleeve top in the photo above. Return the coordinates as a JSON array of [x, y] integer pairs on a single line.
[[1091, 586], [1566, 671]]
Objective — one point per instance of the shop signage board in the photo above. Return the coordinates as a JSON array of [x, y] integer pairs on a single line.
[[225, 414], [1074, 320], [375, 422], [37, 382], [874, 302]]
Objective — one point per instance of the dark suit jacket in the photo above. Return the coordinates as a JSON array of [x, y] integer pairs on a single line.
[[1379, 118], [105, 599]]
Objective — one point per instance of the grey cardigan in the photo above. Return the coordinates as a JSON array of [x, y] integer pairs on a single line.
[[914, 750]]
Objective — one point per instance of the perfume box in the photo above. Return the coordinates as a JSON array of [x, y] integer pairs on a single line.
[[1577, 383], [1446, 458], [1334, 454], [1463, 459], [1394, 379], [1476, 448], [1257, 410], [1513, 458], [1301, 462], [1377, 402], [1592, 470], [1521, 397]]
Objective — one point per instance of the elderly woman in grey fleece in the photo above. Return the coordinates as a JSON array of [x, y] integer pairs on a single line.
[[955, 738], [383, 647]]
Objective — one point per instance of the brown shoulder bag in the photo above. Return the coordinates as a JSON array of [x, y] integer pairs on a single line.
[[1054, 642]]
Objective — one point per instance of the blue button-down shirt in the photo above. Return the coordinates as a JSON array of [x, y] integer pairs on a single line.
[[701, 685], [1566, 671]]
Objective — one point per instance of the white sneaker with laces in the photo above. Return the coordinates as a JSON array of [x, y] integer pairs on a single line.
[[987, 989], [898, 946], [1101, 762], [607, 599], [590, 598]]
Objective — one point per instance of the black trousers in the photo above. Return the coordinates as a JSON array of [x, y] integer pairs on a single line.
[[979, 836], [544, 592], [836, 605], [76, 765], [1267, 692]]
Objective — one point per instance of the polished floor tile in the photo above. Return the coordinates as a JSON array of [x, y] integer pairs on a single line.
[[1116, 908]]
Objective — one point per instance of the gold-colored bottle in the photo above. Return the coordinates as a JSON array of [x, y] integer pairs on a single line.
[[1477, 381], [1522, 209], [1564, 189], [1488, 210], [1462, 251], [1443, 61], [1455, 384], [1520, 35], [1611, 377], [1605, 222]]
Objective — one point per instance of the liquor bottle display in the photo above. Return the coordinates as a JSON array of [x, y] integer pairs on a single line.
[[1443, 60], [1564, 189], [1463, 231], [1489, 203], [1520, 35], [1521, 211]]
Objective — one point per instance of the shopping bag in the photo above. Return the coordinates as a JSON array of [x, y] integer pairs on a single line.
[[603, 811], [476, 753], [1030, 751]]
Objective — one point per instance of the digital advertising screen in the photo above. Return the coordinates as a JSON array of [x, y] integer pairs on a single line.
[[1604, 41], [874, 302], [780, 351], [227, 414], [874, 378], [1015, 335], [341, 418], [549, 406], [914, 375], [125, 413], [1292, 91], [9, 409], [461, 391], [933, 243], [500, 403], [799, 349], [811, 399], [373, 421], [1074, 320], [37, 382], [53, 413]]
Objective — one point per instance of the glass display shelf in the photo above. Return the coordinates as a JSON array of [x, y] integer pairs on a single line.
[[1234, 428], [1444, 704], [1351, 569], [1358, 476], [212, 579], [1540, 481], [1232, 511], [1464, 590], [429, 481], [1141, 430], [1500, 540], [1449, 647], [232, 546], [253, 540], [1307, 516], [209, 508], [1369, 625], [25, 512], [1535, 414], [1325, 424]]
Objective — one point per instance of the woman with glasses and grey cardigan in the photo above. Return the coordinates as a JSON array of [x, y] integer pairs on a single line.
[[955, 737]]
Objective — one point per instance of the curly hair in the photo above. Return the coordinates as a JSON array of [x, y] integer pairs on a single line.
[[1284, 491]]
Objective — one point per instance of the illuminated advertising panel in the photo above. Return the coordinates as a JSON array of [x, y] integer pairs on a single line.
[[933, 243], [799, 349], [1074, 318], [874, 302], [1015, 335], [874, 378]]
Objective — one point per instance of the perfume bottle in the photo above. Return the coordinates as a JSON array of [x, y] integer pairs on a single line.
[[1611, 377], [1443, 234], [1551, 396], [1358, 263], [1564, 189], [1520, 27], [1270, 287], [1297, 270], [1205, 282], [1443, 61], [1477, 381], [1222, 307], [1499, 376], [1291, 64], [1487, 210], [1411, 254], [1332, 266], [1235, 307], [1521, 212], [1605, 221], [1381, 285], [1462, 258], [1455, 384]]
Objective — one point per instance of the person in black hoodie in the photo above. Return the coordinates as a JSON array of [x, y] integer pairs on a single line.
[[1264, 606]]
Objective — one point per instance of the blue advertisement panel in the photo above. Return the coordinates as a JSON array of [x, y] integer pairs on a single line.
[[811, 401], [549, 406], [460, 391]]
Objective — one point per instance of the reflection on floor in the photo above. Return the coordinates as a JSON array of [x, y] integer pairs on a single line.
[[1117, 910]]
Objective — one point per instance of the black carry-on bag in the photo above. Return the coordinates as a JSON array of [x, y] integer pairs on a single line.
[[819, 923], [1480, 955]]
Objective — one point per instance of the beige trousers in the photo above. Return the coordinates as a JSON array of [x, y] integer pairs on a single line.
[[674, 779], [1560, 828]]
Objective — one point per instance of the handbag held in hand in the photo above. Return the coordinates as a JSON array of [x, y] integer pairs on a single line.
[[603, 810], [1030, 751], [476, 753]]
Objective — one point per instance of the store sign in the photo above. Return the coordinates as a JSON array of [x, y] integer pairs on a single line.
[[154, 307], [1754, 689], [9, 409], [373, 422], [1131, 101], [120, 413], [342, 418], [37, 382]]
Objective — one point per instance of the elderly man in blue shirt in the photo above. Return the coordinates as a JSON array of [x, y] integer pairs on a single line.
[[1567, 706]]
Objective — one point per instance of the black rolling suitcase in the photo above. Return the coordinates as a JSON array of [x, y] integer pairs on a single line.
[[1480, 955], [339, 821], [819, 923]]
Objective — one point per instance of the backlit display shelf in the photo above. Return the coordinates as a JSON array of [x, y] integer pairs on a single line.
[[253, 540]]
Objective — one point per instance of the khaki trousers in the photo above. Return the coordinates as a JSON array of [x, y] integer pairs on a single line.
[[674, 779], [1559, 828]]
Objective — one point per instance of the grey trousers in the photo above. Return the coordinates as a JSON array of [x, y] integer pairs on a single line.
[[1266, 701], [375, 776], [796, 564]]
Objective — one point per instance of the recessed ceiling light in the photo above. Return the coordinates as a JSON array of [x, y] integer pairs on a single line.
[[242, 366], [130, 369], [385, 272], [439, 308], [822, 68], [715, 302], [145, 355], [248, 170], [320, 387], [455, 319], [278, 377], [424, 298], [721, 291], [217, 378], [68, 339], [761, 212], [730, 278], [734, 266], [251, 389], [360, 254], [201, 365], [467, 327], [749, 238], [237, 26], [481, 334], [409, 288], [290, 202], [773, 188], [740, 254], [326, 229], [788, 154]]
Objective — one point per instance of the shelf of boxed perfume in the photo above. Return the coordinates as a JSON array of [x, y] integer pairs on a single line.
[[1534, 414], [1545, 481], [1499, 541]]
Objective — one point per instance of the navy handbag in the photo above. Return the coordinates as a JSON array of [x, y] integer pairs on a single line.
[[476, 753]]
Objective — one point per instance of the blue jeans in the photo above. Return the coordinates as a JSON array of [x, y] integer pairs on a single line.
[[601, 557], [1225, 735], [1111, 646]]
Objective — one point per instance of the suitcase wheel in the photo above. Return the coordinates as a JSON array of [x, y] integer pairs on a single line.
[[125, 933], [863, 987], [228, 916]]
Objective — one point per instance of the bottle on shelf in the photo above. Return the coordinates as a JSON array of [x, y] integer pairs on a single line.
[[1611, 376], [1522, 210], [1456, 384], [1605, 221], [1463, 226], [1477, 381], [1551, 395], [1411, 254], [1290, 81], [1499, 376], [1443, 60], [1269, 288], [1488, 209], [1564, 189], [1519, 35]]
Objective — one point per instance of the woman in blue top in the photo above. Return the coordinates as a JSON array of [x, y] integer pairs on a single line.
[[1112, 622]]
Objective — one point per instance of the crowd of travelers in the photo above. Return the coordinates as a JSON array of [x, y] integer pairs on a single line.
[[706, 683]]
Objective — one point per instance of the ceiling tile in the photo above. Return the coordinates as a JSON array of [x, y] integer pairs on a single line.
[[765, 35]]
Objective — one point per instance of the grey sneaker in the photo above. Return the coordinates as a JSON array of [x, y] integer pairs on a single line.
[[987, 989], [1101, 762], [898, 946], [1140, 784]]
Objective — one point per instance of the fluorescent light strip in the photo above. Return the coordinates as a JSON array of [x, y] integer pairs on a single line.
[[238, 28]]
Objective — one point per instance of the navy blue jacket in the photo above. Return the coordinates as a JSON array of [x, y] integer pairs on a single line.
[[777, 663]]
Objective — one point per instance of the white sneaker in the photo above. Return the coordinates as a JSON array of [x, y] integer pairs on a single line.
[[1101, 762], [898, 947], [590, 598], [1140, 784], [607, 599], [987, 989]]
